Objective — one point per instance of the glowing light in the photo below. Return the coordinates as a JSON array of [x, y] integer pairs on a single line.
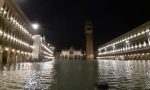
[[132, 47], [33, 37], [13, 50], [135, 46], [127, 41], [22, 52], [47, 53], [5, 12], [47, 48], [35, 26], [6, 49], [144, 44], [135, 35], [140, 45], [1, 32], [2, 9], [143, 32], [131, 37], [147, 30], [18, 51], [138, 34]]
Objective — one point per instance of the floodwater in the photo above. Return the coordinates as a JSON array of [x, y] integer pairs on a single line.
[[75, 75]]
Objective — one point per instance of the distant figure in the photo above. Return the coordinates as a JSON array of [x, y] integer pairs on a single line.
[[101, 86]]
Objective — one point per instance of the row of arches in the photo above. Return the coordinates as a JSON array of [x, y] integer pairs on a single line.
[[71, 57], [128, 47], [136, 56], [13, 56]]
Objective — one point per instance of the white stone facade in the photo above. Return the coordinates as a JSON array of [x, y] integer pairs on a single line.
[[71, 54]]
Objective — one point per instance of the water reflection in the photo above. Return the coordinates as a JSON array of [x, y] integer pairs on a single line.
[[75, 75], [125, 75], [28, 76]]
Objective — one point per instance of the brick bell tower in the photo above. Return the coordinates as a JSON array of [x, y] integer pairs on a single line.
[[89, 40]]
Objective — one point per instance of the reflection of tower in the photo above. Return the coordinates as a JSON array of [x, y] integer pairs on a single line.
[[89, 40]]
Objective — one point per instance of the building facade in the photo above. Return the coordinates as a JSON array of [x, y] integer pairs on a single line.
[[71, 54], [133, 45], [41, 50], [16, 33]]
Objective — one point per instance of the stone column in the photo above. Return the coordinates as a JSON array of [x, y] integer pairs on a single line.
[[1, 51], [12, 56], [149, 41]]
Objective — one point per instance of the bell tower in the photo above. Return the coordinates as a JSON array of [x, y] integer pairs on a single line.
[[89, 40]]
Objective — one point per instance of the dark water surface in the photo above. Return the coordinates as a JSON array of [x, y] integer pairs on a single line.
[[75, 75]]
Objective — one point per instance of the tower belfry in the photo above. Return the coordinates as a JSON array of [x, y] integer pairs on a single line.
[[89, 40]]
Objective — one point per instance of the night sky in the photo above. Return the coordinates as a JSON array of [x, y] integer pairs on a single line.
[[62, 21]]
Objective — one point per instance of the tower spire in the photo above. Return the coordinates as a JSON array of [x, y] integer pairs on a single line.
[[89, 40]]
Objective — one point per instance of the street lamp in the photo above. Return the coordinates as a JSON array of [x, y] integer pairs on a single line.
[[35, 26]]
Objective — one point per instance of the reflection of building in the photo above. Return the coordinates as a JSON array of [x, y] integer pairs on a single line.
[[71, 54], [89, 40]]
